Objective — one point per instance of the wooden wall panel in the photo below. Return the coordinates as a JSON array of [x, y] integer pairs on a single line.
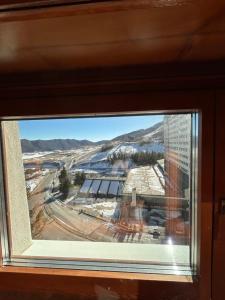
[[86, 35]]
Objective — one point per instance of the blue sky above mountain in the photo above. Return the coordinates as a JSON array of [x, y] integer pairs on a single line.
[[91, 128]]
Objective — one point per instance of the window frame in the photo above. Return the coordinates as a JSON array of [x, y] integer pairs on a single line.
[[26, 4], [120, 102], [82, 263]]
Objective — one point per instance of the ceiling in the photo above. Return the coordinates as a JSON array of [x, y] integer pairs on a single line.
[[111, 33]]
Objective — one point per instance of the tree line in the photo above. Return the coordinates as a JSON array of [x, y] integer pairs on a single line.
[[106, 147], [139, 158]]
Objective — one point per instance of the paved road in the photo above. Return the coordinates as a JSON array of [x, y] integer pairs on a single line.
[[83, 227], [55, 231], [42, 191], [39, 201], [89, 228], [69, 221], [79, 158]]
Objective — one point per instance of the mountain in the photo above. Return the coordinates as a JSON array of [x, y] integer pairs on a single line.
[[151, 134], [51, 145]]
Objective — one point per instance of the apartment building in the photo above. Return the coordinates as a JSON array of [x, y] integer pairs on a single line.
[[177, 140]]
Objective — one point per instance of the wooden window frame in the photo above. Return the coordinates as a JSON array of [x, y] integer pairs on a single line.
[[8, 5], [34, 8], [116, 100]]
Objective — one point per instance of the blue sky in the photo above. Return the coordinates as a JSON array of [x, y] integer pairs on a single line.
[[93, 129]]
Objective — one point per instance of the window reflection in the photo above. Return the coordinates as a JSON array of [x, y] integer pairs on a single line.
[[132, 188]]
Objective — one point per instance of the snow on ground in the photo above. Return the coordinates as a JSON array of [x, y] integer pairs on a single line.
[[35, 154], [145, 180], [33, 183], [153, 133], [33, 174], [160, 175], [131, 148], [105, 208], [44, 172], [128, 148], [99, 156], [97, 165], [86, 170], [98, 161]]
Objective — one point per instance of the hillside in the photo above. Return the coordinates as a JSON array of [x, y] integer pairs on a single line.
[[51, 145]]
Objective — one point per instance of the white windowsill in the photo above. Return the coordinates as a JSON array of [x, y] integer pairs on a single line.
[[117, 252]]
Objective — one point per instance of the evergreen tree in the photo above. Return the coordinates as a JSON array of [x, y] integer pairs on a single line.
[[79, 178], [64, 183], [64, 188], [139, 158]]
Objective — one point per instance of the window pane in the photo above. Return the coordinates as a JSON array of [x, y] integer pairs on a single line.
[[107, 188]]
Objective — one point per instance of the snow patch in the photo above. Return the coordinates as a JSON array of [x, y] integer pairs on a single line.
[[105, 208], [35, 154]]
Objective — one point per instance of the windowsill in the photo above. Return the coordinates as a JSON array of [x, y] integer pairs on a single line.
[[119, 252]]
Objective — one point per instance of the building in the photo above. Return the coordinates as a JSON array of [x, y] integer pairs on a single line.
[[177, 168], [177, 141]]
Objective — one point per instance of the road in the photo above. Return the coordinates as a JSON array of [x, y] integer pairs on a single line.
[[41, 192], [82, 157], [39, 202], [89, 228], [62, 221]]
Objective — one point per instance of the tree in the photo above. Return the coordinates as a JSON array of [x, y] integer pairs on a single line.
[[119, 155], [64, 183], [106, 147], [79, 178], [64, 188], [63, 175], [146, 158]]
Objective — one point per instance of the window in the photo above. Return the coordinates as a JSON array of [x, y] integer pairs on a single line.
[[102, 192]]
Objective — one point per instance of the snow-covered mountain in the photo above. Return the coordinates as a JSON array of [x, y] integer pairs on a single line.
[[149, 134]]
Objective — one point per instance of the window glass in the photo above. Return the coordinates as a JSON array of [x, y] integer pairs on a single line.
[[115, 188]]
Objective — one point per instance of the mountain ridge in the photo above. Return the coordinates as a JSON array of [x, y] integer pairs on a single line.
[[30, 146]]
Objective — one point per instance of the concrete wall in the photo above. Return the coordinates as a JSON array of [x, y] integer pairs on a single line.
[[16, 189]]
